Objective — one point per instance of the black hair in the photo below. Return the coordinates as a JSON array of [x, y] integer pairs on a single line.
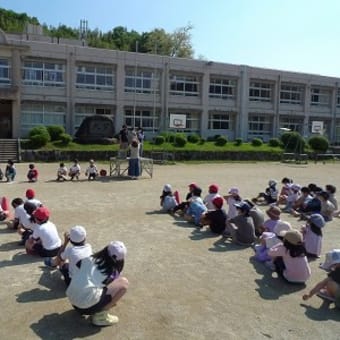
[[331, 188], [17, 201], [315, 229], [107, 264], [197, 191], [31, 166], [29, 207], [305, 190], [295, 250], [286, 180], [77, 243]]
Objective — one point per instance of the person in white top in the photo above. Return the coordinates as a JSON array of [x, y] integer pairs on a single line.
[[208, 199], [62, 172], [30, 197], [96, 284], [91, 171], [68, 257], [232, 198], [74, 171], [45, 240], [21, 218]]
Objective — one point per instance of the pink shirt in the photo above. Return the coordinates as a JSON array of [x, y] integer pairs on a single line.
[[297, 268]]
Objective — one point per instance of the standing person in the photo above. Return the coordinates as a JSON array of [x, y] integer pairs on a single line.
[[134, 161], [124, 138], [45, 240], [10, 171], [74, 171], [69, 256], [91, 171], [290, 259], [141, 137], [96, 284], [32, 174]]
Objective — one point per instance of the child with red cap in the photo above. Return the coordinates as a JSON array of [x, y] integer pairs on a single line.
[[30, 197], [32, 174], [208, 199], [216, 218], [45, 240], [183, 206]]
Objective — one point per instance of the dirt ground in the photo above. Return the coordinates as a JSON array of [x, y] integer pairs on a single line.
[[184, 283]]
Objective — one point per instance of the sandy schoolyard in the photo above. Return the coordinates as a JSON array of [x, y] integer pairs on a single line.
[[185, 283]]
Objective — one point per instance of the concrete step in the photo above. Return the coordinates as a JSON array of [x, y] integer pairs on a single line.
[[9, 149]]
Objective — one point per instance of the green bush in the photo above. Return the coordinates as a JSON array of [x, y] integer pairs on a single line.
[[55, 131], [159, 140], [65, 139], [193, 138], [221, 141], [318, 143], [201, 141], [39, 137], [274, 142], [238, 141], [180, 140], [169, 137], [256, 142], [293, 142]]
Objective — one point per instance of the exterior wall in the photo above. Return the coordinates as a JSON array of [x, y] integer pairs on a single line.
[[242, 112]]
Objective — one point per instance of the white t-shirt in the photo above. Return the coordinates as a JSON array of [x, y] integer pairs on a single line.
[[75, 253], [22, 216], [91, 170], [48, 235], [208, 200], [75, 169], [34, 201]]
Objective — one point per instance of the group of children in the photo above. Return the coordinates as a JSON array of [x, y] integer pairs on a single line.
[[93, 280], [277, 244]]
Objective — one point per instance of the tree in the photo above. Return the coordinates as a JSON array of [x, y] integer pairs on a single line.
[[181, 42]]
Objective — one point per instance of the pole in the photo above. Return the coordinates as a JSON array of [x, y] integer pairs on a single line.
[[135, 92]]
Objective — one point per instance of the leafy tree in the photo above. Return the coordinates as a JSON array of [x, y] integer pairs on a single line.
[[319, 143], [293, 142], [181, 42]]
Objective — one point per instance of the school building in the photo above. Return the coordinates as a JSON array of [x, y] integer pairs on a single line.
[[50, 81]]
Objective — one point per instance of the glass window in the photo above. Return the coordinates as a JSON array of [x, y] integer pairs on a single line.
[[43, 73], [184, 85], [148, 119], [259, 126], [95, 77], [260, 92], [141, 81], [222, 88], [5, 72], [219, 121], [291, 94], [292, 123], [320, 96]]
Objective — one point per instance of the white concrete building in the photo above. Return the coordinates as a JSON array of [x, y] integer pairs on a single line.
[[48, 81]]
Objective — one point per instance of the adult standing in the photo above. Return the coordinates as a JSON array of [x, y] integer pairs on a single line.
[[134, 161], [140, 136], [124, 137]]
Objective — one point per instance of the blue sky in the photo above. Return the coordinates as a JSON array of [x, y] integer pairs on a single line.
[[293, 35]]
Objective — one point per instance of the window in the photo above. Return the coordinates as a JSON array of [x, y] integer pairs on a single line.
[[320, 97], [42, 73], [291, 94], [183, 85], [95, 77], [292, 123], [83, 111], [219, 121], [141, 81], [147, 119], [338, 98], [5, 72], [259, 126], [260, 92], [37, 113], [193, 120], [222, 88]]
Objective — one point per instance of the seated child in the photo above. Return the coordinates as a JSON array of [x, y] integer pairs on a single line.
[[290, 258], [4, 208], [10, 171], [44, 241], [21, 218], [208, 199], [270, 194], [32, 174], [183, 206], [312, 235], [258, 217], [301, 203], [68, 257], [273, 213], [91, 171], [327, 207], [30, 197], [196, 207], [62, 172], [167, 199], [331, 189], [216, 219], [292, 197], [231, 198], [241, 228], [74, 171], [285, 190]]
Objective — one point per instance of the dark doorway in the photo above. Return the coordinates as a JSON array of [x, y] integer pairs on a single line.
[[5, 119]]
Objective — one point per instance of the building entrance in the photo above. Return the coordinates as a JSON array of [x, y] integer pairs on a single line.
[[5, 119]]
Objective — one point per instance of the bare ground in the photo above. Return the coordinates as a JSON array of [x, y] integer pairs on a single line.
[[184, 283]]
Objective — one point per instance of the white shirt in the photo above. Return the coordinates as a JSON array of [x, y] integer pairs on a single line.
[[48, 235], [91, 170], [208, 200], [22, 216]]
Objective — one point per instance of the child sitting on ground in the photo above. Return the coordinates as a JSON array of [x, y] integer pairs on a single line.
[[62, 172], [68, 257], [312, 235], [269, 196], [216, 218], [4, 208], [291, 199], [74, 171], [231, 198], [167, 199], [258, 217], [285, 190], [30, 197], [290, 259], [196, 207], [208, 199], [327, 207], [183, 206], [273, 212], [91, 171]]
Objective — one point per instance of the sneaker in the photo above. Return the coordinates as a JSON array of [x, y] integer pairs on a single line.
[[104, 319]]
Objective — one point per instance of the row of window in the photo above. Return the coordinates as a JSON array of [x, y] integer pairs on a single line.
[[137, 80]]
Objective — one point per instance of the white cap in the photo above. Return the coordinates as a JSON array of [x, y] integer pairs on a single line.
[[233, 191], [167, 188], [117, 249], [77, 234]]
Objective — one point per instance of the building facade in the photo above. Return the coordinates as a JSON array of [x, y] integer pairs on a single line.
[[50, 81]]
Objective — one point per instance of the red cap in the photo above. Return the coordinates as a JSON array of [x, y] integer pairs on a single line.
[[213, 189], [192, 185], [218, 202], [30, 193], [41, 214]]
